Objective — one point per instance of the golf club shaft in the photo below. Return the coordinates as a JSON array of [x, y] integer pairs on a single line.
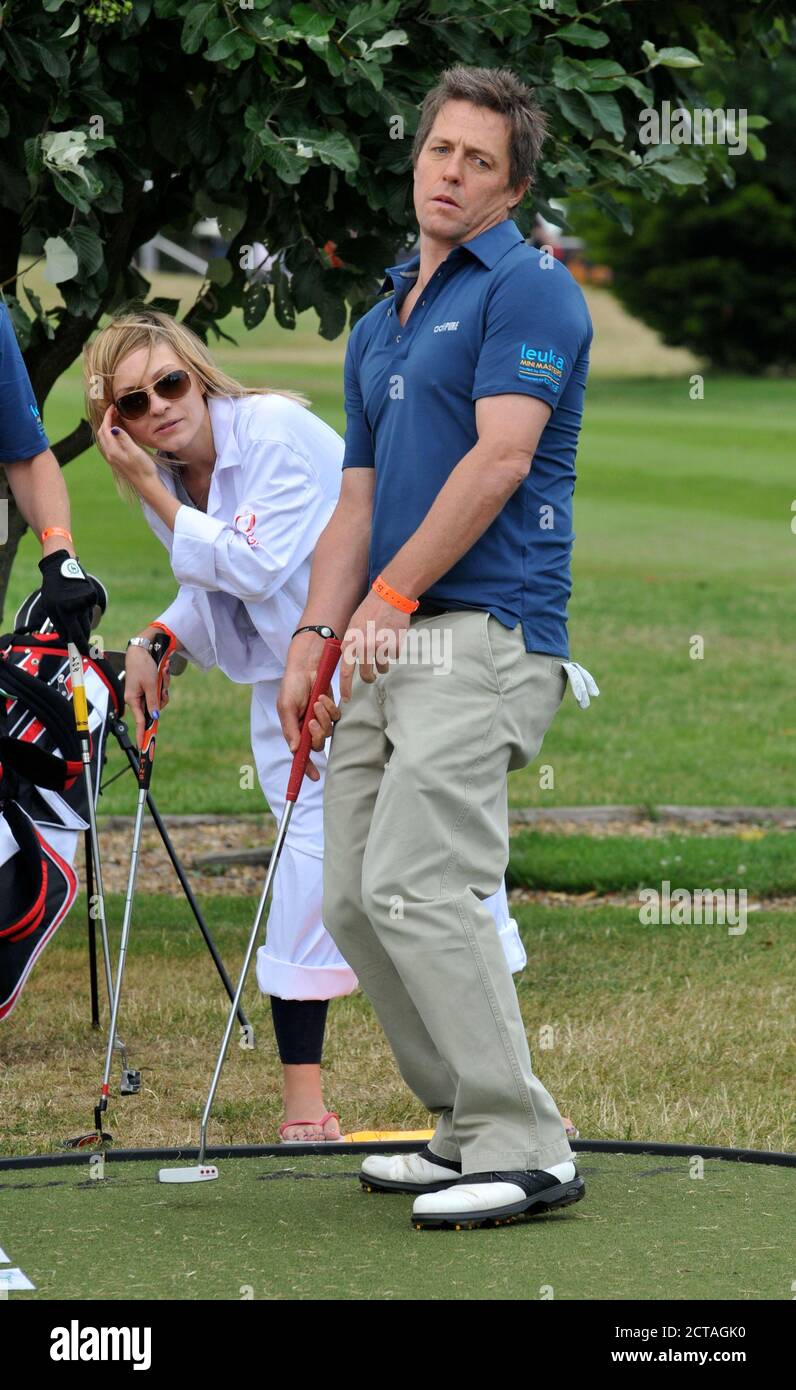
[[272, 866], [326, 668], [128, 913], [92, 931], [80, 707]]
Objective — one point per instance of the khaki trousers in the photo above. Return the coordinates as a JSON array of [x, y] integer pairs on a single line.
[[415, 838]]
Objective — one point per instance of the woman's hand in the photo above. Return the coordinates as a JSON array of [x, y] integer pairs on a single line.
[[128, 459], [141, 686]]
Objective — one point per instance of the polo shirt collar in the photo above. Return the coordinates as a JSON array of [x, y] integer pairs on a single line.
[[489, 247], [222, 414]]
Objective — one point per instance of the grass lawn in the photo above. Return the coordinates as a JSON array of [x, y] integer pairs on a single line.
[[683, 521], [674, 1033], [280, 1230]]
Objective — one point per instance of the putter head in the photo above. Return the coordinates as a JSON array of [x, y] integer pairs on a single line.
[[131, 1082], [200, 1172], [94, 1140]]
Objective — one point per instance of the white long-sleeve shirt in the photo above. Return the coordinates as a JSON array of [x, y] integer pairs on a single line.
[[244, 564]]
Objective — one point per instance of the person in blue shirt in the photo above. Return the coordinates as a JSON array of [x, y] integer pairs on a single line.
[[35, 479], [446, 567]]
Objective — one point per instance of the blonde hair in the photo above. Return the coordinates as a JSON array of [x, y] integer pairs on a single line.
[[132, 329]]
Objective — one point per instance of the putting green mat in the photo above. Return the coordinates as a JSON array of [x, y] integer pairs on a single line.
[[304, 1229]]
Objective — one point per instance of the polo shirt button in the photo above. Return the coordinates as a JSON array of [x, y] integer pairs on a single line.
[[398, 339]]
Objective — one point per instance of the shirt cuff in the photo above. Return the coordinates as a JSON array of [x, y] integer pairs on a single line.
[[192, 558]]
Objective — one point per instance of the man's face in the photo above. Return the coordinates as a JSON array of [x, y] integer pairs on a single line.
[[461, 175]]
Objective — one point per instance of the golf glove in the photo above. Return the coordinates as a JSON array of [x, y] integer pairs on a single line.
[[582, 683], [68, 598]]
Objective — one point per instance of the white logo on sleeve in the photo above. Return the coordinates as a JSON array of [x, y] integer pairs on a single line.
[[245, 521]]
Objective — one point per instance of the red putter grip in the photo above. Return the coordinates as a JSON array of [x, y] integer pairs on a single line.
[[163, 645], [326, 669]]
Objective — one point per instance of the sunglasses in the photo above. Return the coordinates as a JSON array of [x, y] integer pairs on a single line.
[[135, 404]]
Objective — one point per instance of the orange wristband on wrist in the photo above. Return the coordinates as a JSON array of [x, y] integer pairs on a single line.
[[56, 531], [405, 605]]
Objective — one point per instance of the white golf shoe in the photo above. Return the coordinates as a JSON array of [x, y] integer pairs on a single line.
[[418, 1172], [498, 1199]]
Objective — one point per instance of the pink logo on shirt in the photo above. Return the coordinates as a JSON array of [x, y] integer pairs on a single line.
[[245, 522]]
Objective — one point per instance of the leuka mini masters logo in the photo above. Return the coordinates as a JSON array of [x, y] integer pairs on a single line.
[[543, 365]]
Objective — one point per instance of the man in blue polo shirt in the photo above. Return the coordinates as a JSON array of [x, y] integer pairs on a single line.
[[464, 395], [36, 481]]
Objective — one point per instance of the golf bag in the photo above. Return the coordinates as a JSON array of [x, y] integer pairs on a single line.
[[43, 806]]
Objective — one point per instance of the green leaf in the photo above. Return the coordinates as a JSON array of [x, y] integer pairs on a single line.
[[617, 211], [71, 191], [573, 107], [391, 39], [336, 149], [111, 198], [194, 28], [38, 310], [310, 22], [608, 112], [256, 302], [581, 35], [680, 170], [332, 316], [678, 58], [283, 304], [62, 263], [54, 62], [88, 247], [166, 306], [224, 47], [755, 146], [22, 324]]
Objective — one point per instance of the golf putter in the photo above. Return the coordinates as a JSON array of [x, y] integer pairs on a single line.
[[202, 1171], [80, 707], [161, 649]]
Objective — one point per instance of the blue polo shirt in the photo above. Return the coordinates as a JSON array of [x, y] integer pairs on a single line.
[[21, 430], [497, 317]]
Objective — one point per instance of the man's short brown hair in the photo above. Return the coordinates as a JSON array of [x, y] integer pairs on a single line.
[[498, 89]]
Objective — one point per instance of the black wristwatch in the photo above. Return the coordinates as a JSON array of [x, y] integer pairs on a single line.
[[321, 628]]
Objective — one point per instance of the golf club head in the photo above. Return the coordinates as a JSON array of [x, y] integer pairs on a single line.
[[177, 663], [31, 614], [88, 1141], [201, 1172], [131, 1082]]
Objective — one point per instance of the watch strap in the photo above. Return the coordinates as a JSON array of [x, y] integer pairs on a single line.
[[322, 629]]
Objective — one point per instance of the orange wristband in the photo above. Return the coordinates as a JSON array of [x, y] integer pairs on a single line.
[[382, 588], [55, 531]]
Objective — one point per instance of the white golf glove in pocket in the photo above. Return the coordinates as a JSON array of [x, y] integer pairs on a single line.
[[582, 683]]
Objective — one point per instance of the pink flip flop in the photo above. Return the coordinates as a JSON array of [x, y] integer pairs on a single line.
[[288, 1124]]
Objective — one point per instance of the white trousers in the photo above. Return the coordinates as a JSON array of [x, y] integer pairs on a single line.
[[299, 959]]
